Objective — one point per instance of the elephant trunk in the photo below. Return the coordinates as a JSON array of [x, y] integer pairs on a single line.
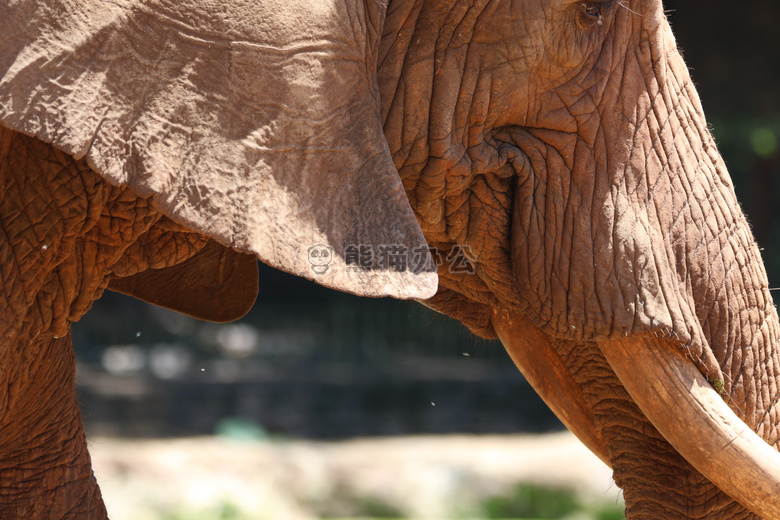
[[671, 393], [665, 252], [693, 417]]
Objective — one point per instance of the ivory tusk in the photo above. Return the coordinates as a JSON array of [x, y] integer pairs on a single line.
[[531, 350], [677, 399]]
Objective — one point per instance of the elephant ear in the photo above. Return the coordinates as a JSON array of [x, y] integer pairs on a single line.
[[255, 123], [213, 274]]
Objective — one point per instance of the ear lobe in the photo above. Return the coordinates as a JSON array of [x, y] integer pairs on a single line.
[[216, 284], [254, 123]]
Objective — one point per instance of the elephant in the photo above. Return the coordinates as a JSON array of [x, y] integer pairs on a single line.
[[555, 148]]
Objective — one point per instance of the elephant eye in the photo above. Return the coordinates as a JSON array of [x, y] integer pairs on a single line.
[[594, 11]]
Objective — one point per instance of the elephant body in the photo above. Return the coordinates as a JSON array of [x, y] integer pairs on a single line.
[[559, 146]]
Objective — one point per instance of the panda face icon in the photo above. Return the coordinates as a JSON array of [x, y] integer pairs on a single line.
[[320, 257]]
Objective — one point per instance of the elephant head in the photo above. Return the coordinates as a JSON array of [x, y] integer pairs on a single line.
[[556, 150]]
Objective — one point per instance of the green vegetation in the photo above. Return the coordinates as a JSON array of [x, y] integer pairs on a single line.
[[223, 511], [718, 384], [533, 501], [764, 141], [522, 502], [346, 502]]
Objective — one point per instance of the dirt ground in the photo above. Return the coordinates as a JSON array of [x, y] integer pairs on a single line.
[[417, 477]]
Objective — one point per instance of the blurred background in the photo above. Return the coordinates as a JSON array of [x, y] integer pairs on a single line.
[[319, 404]]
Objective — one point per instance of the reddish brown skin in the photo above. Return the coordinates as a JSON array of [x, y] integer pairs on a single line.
[[545, 174], [66, 232], [561, 141]]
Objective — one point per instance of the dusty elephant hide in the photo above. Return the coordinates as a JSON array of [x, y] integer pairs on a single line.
[[557, 151]]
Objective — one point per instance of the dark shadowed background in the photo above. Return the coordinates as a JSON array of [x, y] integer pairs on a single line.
[[311, 362]]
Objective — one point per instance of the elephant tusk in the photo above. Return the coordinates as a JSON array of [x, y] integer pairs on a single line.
[[694, 419], [533, 354]]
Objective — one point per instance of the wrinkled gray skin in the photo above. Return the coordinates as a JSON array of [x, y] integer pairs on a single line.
[[562, 141]]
